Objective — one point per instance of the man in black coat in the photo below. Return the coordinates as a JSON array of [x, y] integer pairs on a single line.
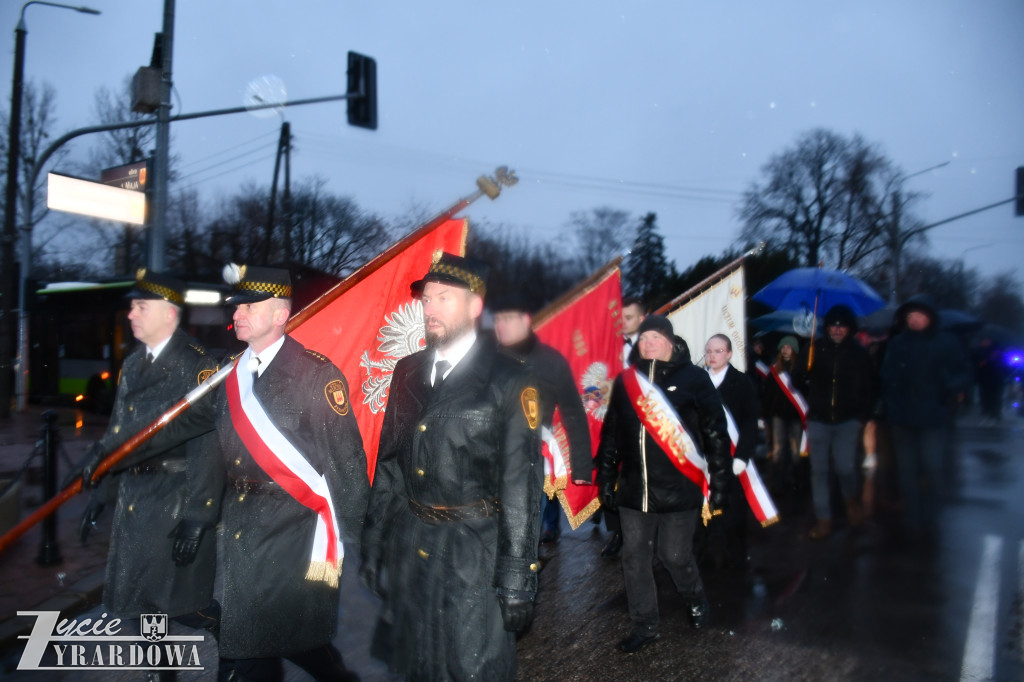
[[839, 385], [295, 479], [450, 541], [655, 498], [167, 500], [923, 374], [739, 397], [557, 388]]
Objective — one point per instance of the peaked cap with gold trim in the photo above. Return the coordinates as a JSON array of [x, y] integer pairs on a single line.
[[156, 286], [448, 268], [255, 283]]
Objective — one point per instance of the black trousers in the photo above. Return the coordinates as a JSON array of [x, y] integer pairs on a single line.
[[674, 534]]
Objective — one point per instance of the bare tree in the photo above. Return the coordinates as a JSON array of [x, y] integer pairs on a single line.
[[37, 129], [601, 234], [827, 199]]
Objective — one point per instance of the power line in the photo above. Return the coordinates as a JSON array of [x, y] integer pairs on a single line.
[[196, 182], [227, 161], [229, 149]]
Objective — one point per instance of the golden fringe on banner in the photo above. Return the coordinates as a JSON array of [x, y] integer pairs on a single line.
[[324, 572]]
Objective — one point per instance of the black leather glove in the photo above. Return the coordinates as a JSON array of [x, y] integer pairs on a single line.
[[186, 535], [517, 614], [85, 468], [89, 518], [608, 497], [371, 571]]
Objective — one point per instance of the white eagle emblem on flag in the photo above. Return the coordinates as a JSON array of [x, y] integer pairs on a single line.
[[597, 389], [403, 334]]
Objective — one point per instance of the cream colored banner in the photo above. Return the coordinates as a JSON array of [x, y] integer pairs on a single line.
[[718, 310]]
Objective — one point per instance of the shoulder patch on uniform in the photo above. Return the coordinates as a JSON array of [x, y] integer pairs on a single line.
[[531, 406], [205, 374], [336, 398], [318, 356], [197, 348]]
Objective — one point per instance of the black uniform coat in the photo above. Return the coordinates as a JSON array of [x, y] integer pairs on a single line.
[[558, 388], [269, 608], [141, 577], [469, 440], [652, 483], [739, 395]]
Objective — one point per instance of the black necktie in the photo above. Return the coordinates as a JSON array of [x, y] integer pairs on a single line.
[[149, 361], [440, 367], [628, 341], [256, 370]]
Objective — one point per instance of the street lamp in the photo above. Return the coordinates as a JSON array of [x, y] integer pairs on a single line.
[[896, 239], [10, 211]]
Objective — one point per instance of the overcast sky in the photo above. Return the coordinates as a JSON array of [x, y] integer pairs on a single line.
[[671, 107]]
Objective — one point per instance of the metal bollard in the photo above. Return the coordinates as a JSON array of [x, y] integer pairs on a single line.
[[49, 551]]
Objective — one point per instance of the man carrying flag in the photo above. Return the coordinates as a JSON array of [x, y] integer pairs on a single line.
[[450, 541], [666, 426], [295, 487]]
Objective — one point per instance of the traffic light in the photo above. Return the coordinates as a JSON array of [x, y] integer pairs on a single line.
[[362, 91], [1020, 191]]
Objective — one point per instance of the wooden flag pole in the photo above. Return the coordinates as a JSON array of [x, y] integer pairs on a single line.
[[116, 456], [553, 308], [490, 186], [714, 277]]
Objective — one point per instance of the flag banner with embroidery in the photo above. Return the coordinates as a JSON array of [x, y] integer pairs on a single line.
[[583, 327], [367, 329], [719, 309]]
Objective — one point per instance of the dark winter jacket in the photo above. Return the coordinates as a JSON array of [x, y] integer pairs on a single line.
[[558, 388], [922, 372], [653, 483], [841, 383]]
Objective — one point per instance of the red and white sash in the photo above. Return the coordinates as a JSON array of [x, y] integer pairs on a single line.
[[666, 428], [798, 401], [286, 466], [753, 487], [553, 445]]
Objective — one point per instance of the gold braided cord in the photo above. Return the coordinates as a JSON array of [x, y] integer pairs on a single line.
[[163, 292], [276, 290], [476, 285]]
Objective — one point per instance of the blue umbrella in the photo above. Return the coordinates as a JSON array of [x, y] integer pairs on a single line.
[[818, 290]]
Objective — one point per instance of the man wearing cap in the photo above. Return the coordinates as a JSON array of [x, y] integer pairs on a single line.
[[166, 500], [295, 484], [836, 376], [450, 542], [551, 372], [666, 427]]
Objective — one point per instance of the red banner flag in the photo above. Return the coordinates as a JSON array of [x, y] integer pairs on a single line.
[[374, 324], [583, 327]]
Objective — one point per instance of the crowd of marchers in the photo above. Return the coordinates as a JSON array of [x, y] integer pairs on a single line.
[[448, 534]]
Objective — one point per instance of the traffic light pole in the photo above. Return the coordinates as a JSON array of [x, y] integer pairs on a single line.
[[22, 360]]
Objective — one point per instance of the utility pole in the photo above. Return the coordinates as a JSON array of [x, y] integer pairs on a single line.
[[156, 245]]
